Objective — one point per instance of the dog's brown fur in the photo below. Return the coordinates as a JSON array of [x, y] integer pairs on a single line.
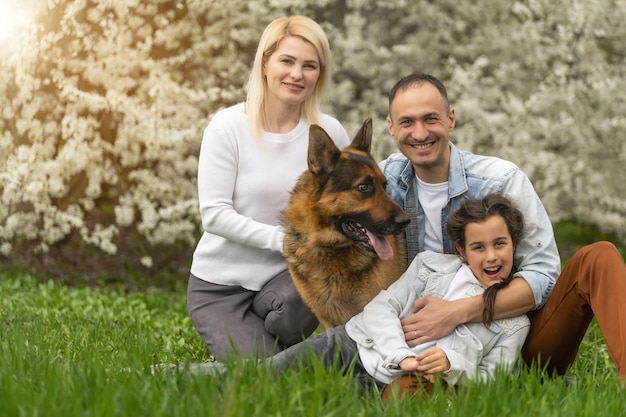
[[331, 257]]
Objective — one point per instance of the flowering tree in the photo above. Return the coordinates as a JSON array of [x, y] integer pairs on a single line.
[[103, 103], [104, 106], [550, 101], [536, 82]]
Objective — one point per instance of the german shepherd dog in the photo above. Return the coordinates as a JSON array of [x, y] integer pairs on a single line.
[[343, 233]]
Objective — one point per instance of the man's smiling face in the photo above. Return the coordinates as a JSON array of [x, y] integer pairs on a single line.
[[420, 122]]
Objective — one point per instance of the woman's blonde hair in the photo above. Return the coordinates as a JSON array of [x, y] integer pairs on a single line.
[[256, 86]]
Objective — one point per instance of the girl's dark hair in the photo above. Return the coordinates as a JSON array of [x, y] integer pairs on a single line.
[[477, 211]]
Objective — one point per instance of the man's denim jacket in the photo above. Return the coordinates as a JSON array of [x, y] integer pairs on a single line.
[[473, 177]]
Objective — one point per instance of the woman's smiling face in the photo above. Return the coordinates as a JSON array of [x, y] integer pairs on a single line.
[[292, 71]]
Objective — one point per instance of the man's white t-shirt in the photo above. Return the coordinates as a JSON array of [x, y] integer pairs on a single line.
[[432, 198]]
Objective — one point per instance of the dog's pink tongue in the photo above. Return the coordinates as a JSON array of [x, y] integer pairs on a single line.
[[381, 246]]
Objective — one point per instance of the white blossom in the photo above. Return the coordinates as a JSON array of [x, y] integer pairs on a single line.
[[147, 261], [101, 118]]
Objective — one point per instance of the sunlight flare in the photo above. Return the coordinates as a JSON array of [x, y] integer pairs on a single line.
[[14, 17]]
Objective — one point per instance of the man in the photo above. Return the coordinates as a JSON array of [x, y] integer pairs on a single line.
[[431, 178]]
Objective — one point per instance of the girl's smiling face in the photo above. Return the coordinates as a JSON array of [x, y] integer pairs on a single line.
[[489, 250]]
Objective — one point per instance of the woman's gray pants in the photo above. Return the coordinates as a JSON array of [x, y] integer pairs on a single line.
[[333, 348], [235, 321]]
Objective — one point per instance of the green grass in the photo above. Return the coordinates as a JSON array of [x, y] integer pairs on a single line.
[[78, 351], [73, 350], [571, 236]]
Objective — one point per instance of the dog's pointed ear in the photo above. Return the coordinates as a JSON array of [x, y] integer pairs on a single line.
[[323, 153], [363, 140]]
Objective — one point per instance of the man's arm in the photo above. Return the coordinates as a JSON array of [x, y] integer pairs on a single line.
[[435, 318]]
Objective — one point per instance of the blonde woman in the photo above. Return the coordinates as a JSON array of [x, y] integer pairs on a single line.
[[241, 298]]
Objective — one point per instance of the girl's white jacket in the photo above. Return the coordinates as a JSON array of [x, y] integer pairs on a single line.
[[474, 350]]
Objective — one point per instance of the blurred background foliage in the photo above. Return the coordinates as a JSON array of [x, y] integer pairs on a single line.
[[103, 103]]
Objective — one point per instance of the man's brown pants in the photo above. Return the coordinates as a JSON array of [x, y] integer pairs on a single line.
[[593, 283]]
